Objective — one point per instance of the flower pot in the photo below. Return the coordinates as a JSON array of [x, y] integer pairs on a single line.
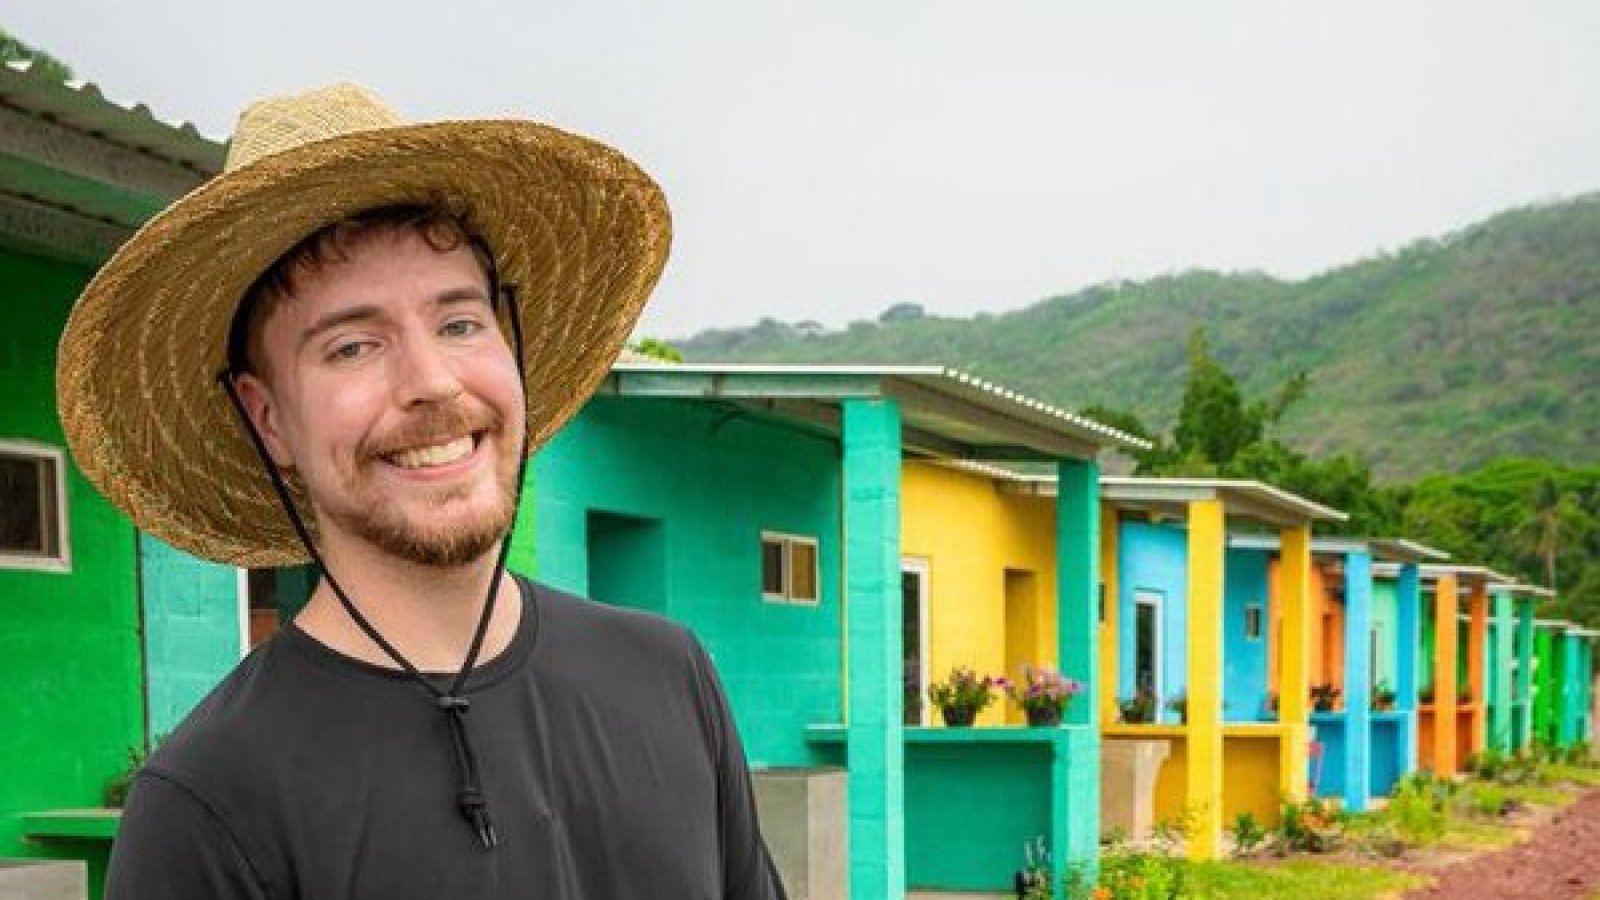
[[958, 716], [1044, 716]]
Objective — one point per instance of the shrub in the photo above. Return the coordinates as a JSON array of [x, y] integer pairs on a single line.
[[1419, 808], [1248, 834], [1309, 827]]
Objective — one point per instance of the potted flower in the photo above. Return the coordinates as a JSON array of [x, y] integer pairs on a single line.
[[1425, 694], [962, 697], [1383, 697], [1178, 704], [1139, 709], [1464, 695], [1044, 694], [1324, 697]]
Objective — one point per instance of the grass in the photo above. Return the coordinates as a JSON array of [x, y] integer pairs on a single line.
[[1466, 834], [1588, 776], [1296, 880]]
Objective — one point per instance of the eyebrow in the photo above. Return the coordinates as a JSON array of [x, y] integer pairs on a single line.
[[368, 311]]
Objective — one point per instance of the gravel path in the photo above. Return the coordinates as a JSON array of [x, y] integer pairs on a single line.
[[1560, 860]]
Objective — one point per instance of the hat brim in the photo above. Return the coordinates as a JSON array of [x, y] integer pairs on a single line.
[[580, 230]]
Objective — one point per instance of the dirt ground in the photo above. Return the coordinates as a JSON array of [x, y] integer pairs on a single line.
[[1559, 861]]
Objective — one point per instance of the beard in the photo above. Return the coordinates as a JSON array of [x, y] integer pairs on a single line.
[[416, 537]]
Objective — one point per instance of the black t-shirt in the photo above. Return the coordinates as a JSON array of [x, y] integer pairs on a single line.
[[609, 761]]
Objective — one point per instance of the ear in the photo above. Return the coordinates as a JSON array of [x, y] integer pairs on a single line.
[[261, 406]]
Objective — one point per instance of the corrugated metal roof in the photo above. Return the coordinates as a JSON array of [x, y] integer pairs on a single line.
[[789, 380], [1252, 499], [82, 106]]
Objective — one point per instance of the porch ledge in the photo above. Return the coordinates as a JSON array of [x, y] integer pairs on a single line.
[[94, 824], [980, 734]]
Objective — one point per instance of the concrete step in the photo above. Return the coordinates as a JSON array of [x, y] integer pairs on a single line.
[[43, 879]]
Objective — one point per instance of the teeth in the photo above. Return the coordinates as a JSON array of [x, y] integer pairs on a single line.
[[437, 455]]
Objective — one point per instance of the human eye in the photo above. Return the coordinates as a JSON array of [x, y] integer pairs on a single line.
[[463, 326], [348, 350]]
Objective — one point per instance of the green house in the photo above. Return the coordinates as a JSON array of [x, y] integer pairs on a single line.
[[106, 637]]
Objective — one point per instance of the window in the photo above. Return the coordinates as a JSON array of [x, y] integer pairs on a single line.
[[788, 568], [1252, 622], [33, 509]]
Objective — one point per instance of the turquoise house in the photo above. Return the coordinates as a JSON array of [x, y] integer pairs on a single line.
[[759, 506]]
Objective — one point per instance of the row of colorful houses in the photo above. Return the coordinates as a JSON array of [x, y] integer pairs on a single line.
[[839, 537]]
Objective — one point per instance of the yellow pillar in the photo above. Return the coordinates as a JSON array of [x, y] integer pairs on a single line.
[[1109, 655], [1294, 665], [1477, 643], [1445, 607], [1203, 802]]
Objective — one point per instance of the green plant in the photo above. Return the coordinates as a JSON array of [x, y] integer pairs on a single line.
[[1420, 808], [1138, 709], [963, 696], [1179, 705], [1383, 696], [1248, 834], [1464, 695], [1325, 697], [1488, 800], [1141, 876], [1033, 882], [1311, 826], [1425, 694]]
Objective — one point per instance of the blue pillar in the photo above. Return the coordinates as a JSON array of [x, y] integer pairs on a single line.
[[1408, 651], [1357, 680], [1076, 813], [875, 750]]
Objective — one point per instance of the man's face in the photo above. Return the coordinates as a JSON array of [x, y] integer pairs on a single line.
[[391, 392]]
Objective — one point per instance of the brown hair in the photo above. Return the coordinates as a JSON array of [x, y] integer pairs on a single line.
[[442, 229]]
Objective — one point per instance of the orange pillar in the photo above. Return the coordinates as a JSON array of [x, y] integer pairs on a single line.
[[1477, 644], [1445, 607]]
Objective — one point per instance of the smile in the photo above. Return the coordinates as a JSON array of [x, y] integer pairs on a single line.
[[433, 456]]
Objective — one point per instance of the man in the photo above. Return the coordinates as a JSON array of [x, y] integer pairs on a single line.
[[342, 350]]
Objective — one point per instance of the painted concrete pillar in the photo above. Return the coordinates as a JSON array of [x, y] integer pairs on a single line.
[[1571, 689], [1408, 635], [1501, 673], [1524, 685], [875, 748], [1445, 607], [1111, 611], [1477, 670], [1357, 680], [1075, 818], [193, 635], [1203, 803], [1294, 667]]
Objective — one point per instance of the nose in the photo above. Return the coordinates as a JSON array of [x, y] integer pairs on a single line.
[[425, 374]]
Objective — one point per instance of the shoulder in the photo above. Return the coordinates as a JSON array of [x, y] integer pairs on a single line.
[[566, 619]]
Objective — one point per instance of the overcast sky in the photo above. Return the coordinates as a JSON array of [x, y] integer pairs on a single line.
[[827, 159]]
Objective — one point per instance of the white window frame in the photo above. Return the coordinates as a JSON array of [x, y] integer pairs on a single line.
[[60, 563], [1156, 600], [787, 541], [919, 566]]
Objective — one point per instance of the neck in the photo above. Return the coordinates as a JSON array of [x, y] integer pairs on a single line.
[[428, 613]]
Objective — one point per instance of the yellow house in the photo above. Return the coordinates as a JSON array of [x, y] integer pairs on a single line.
[[978, 565]]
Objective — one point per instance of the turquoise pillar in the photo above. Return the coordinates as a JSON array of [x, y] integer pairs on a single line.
[[1075, 822], [875, 749], [1357, 680], [1501, 652], [1408, 650], [1524, 687], [193, 635], [1571, 688]]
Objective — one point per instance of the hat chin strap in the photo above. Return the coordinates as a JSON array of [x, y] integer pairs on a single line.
[[474, 807]]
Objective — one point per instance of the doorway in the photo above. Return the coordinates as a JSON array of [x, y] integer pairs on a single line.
[[914, 639], [1147, 642]]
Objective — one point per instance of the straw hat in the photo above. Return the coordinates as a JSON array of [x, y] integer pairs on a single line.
[[580, 229]]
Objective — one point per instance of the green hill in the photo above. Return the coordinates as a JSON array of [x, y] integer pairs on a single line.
[[1441, 356]]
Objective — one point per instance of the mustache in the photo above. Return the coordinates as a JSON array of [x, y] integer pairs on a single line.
[[434, 425]]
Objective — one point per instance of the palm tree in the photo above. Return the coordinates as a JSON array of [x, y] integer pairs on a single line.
[[1557, 515]]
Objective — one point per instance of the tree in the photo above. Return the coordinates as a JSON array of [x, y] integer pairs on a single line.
[[1555, 517], [658, 349], [12, 49]]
